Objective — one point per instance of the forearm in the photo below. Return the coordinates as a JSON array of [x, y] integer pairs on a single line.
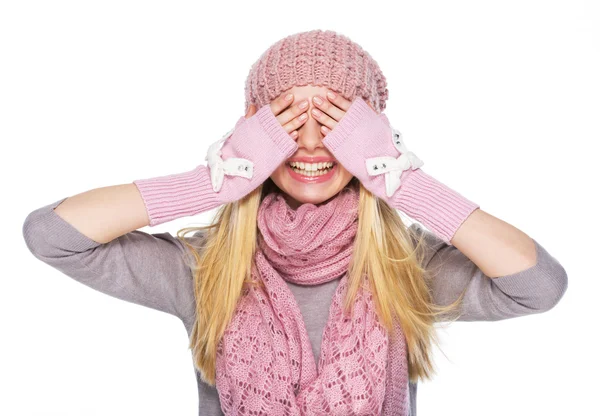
[[496, 247], [104, 214]]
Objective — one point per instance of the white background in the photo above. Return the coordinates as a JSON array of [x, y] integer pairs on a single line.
[[500, 99]]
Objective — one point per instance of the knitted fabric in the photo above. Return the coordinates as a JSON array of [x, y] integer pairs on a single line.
[[265, 364], [206, 187], [363, 136], [316, 57]]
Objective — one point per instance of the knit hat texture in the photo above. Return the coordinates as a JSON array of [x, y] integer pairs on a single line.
[[319, 58]]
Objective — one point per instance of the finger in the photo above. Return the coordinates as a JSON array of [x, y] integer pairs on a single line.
[[323, 118], [295, 123], [338, 100], [325, 130], [293, 112], [282, 102], [328, 108]]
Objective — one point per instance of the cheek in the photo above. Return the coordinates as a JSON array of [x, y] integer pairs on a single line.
[[344, 172], [278, 173]]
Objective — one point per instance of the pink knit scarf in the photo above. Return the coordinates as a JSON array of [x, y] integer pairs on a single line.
[[265, 363]]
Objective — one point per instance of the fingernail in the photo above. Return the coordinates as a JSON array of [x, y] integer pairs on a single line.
[[317, 100], [331, 95], [289, 97]]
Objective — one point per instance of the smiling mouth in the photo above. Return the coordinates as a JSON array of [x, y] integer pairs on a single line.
[[312, 169]]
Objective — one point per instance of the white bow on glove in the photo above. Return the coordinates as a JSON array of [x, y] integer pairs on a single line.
[[233, 166], [393, 167]]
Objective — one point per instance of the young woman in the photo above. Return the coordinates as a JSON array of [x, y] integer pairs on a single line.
[[307, 294]]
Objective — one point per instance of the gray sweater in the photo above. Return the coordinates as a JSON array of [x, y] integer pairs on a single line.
[[149, 270]]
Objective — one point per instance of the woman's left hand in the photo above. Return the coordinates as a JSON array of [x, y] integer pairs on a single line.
[[365, 143], [362, 141], [332, 109]]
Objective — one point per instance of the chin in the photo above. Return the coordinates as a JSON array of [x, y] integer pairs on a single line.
[[296, 200], [298, 194]]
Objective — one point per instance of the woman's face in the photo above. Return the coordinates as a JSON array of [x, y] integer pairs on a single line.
[[298, 189]]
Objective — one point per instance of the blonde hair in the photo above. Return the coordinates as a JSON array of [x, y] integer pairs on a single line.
[[384, 250]]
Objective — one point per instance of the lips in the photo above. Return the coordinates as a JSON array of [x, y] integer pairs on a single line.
[[312, 159], [314, 178]]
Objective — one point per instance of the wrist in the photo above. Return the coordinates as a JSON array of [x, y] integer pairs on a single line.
[[178, 195], [437, 206]]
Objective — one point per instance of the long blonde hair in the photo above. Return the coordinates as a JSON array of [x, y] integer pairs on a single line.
[[384, 249]]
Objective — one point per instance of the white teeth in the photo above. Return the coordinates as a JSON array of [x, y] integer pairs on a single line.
[[311, 167]]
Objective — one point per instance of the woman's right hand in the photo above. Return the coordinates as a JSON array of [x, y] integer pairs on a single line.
[[291, 117], [260, 141]]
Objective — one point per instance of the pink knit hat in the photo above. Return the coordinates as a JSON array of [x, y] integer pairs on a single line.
[[316, 57]]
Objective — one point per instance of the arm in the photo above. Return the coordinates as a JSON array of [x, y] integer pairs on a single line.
[[104, 214], [146, 269], [93, 237], [497, 247], [526, 278], [535, 289]]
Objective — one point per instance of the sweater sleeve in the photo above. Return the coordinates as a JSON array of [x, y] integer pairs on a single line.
[[152, 270], [534, 290]]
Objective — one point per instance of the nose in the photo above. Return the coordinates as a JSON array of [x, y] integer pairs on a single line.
[[310, 136]]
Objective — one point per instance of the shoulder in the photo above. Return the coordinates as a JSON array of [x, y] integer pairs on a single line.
[[192, 242]]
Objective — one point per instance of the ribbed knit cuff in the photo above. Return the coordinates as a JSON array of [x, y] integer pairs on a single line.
[[435, 205], [178, 195]]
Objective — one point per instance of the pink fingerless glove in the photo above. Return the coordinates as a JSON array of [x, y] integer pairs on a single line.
[[250, 153], [366, 145]]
